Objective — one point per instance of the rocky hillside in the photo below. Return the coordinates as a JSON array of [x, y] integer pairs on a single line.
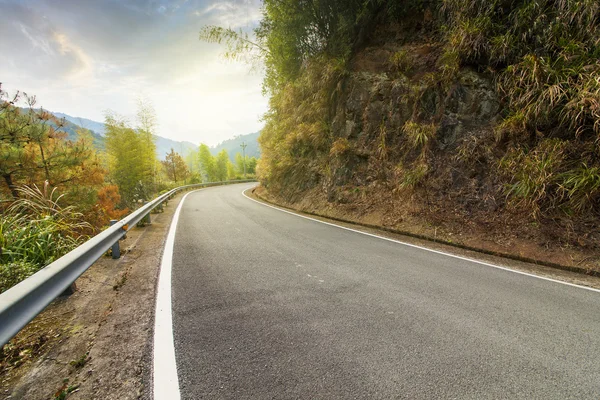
[[475, 122]]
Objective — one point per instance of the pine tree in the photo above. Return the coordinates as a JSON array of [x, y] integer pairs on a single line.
[[175, 167]]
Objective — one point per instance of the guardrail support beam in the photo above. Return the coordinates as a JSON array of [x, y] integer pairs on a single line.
[[116, 250]]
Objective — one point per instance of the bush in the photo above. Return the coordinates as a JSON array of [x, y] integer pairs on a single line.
[[14, 272], [534, 175], [35, 231]]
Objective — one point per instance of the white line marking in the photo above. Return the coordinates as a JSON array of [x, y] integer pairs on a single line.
[[166, 383], [424, 248]]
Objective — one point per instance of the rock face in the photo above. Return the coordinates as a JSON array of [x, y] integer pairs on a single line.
[[413, 140], [373, 107], [472, 104]]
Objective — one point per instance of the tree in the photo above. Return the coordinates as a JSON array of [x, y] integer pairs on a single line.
[[250, 164], [207, 164], [175, 167], [132, 159], [34, 150], [231, 172], [106, 206], [239, 163], [221, 165], [146, 129]]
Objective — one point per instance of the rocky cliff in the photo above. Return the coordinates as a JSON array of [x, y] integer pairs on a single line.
[[410, 149]]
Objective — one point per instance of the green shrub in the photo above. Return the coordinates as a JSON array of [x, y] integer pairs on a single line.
[[581, 187], [402, 62], [534, 175], [419, 135], [14, 272], [35, 231], [413, 177]]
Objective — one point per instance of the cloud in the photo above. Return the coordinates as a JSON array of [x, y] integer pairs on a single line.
[[231, 14], [82, 57]]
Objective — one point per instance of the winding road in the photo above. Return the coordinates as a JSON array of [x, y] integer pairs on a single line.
[[270, 305]]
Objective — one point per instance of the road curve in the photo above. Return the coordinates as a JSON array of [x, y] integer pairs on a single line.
[[267, 305]]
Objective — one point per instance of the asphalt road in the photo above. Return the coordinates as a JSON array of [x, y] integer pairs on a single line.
[[267, 305]]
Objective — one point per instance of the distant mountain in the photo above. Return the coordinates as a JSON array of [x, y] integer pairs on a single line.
[[163, 145], [71, 130], [97, 127], [233, 146]]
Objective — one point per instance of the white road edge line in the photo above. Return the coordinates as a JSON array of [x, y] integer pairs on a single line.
[[424, 248], [164, 371]]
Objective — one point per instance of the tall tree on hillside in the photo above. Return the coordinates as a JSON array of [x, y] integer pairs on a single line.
[[175, 167], [239, 163], [222, 161], [191, 161], [231, 172], [146, 128], [251, 165], [132, 159], [207, 164]]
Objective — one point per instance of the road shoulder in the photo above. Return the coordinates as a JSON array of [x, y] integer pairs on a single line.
[[97, 343]]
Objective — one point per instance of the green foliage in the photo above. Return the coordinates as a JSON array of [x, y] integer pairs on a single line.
[[12, 273], [34, 149], [239, 43], [469, 38], [581, 188], [81, 361], [414, 176], [220, 168], [419, 135], [249, 168], [402, 62], [542, 55], [63, 392], [534, 174], [35, 231], [132, 159], [296, 139], [221, 163], [206, 162], [545, 53]]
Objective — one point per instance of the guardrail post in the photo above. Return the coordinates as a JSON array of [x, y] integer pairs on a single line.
[[70, 290], [147, 219], [116, 250]]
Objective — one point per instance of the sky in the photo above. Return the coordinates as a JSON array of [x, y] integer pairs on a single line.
[[83, 57]]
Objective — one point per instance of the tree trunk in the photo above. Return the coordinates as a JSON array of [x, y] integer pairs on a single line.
[[11, 185], [44, 162]]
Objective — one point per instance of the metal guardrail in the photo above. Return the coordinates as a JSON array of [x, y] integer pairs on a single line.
[[24, 301]]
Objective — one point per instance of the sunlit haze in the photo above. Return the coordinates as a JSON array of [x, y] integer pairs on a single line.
[[84, 57]]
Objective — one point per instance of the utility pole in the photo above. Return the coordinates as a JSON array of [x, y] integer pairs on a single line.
[[243, 146]]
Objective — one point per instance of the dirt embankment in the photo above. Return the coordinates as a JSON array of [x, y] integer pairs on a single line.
[[96, 343]]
